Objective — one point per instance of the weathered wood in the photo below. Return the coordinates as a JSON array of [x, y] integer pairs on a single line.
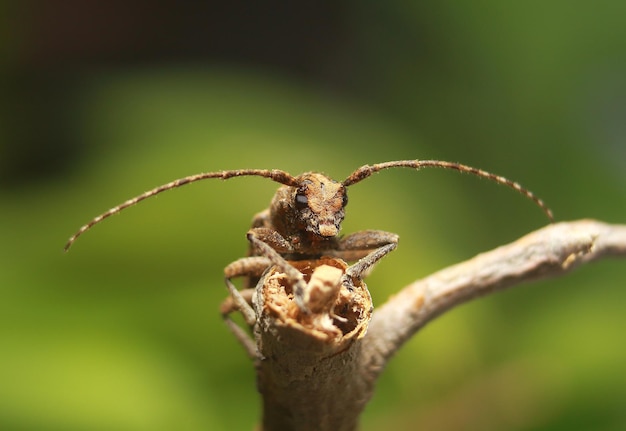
[[317, 370], [309, 361]]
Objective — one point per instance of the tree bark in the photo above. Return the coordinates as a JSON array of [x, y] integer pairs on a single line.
[[317, 371]]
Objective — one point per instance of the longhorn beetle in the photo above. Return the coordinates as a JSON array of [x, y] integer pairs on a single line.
[[304, 220]]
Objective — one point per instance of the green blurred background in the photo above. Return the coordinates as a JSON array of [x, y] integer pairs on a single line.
[[103, 100]]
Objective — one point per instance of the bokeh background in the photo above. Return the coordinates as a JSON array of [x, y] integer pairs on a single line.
[[102, 100]]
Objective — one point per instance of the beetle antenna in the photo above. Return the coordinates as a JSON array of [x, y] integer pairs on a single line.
[[367, 170], [275, 175]]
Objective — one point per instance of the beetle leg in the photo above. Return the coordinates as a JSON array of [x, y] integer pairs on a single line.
[[369, 246], [266, 242], [240, 300]]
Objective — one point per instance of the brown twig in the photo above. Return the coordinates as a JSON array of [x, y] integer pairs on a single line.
[[322, 382], [549, 252]]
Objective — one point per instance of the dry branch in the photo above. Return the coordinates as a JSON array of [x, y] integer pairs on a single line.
[[549, 252], [317, 372]]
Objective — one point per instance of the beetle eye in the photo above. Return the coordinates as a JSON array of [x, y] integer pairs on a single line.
[[301, 200], [345, 200]]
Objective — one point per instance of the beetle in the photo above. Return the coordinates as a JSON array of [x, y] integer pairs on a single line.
[[304, 219]]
